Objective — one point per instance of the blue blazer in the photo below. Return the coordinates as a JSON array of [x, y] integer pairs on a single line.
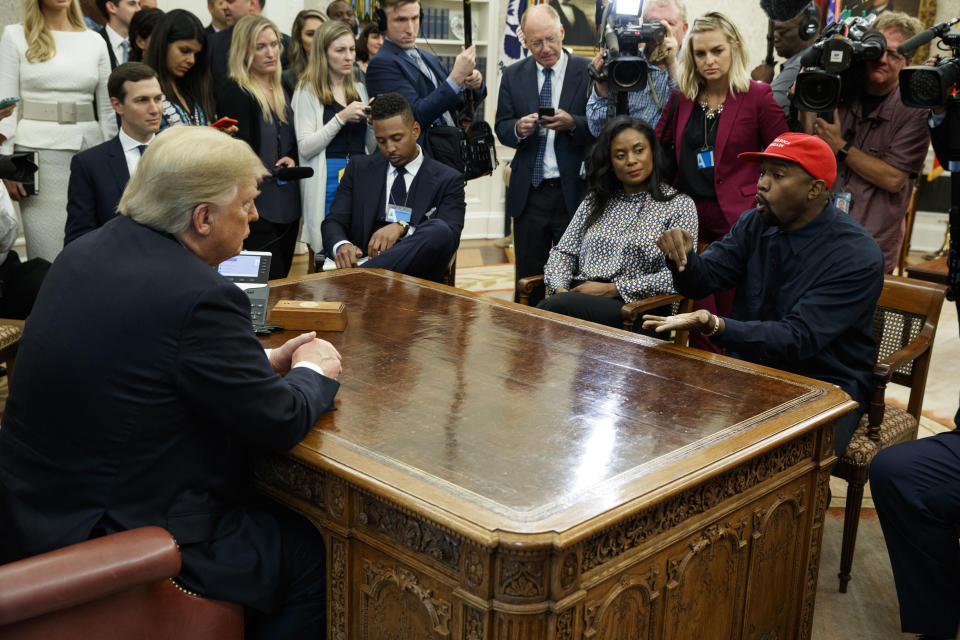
[[519, 97], [152, 425], [362, 197], [98, 177], [392, 70]]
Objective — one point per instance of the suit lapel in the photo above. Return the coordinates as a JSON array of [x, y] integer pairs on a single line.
[[684, 109], [567, 91], [532, 81], [421, 192], [118, 165], [374, 207], [730, 109]]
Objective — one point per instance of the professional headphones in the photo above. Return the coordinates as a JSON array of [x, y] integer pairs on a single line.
[[810, 22], [380, 17]]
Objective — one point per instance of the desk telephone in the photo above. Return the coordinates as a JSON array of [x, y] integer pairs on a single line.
[[250, 270]]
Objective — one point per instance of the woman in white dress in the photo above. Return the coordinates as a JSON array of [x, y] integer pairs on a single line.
[[330, 118], [59, 70]]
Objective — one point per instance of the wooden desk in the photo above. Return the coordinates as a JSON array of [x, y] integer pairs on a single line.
[[495, 472], [932, 270]]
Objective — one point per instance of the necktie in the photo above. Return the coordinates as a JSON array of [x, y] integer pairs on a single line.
[[125, 50], [425, 70], [546, 100], [141, 148], [398, 192]]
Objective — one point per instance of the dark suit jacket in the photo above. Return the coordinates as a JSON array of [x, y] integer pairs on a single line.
[[519, 96], [113, 57], [234, 102], [98, 177], [209, 30], [392, 70], [362, 196], [749, 122], [219, 44], [162, 394]]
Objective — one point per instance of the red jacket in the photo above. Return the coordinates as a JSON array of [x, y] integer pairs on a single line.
[[749, 122]]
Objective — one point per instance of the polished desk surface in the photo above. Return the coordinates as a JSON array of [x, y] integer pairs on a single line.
[[492, 417]]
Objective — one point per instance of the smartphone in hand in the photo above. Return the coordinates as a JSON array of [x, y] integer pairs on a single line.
[[223, 123], [546, 111], [6, 102]]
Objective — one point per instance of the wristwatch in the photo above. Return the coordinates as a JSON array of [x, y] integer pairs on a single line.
[[842, 153], [405, 226]]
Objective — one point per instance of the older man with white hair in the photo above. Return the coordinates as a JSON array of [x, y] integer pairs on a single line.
[[142, 395], [548, 128]]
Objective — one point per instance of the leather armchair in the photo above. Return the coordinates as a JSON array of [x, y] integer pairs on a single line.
[[117, 586]]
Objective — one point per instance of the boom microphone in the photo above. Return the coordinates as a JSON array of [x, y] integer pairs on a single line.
[[783, 10], [922, 38], [286, 174]]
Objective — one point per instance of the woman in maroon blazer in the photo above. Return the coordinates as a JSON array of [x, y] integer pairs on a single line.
[[716, 113]]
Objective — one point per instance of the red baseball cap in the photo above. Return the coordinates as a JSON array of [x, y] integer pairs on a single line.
[[810, 152]]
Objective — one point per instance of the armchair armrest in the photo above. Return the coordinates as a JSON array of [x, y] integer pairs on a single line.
[[633, 310], [526, 286], [85, 571], [883, 372]]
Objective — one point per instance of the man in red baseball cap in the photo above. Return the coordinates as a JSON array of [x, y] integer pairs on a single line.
[[807, 277]]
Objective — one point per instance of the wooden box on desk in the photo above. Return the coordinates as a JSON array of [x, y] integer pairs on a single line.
[[307, 315]]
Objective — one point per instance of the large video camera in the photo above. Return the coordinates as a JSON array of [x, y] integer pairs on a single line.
[[833, 66], [622, 33], [930, 87]]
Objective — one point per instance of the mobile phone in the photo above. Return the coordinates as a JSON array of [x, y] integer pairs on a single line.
[[545, 111], [223, 123], [6, 102]]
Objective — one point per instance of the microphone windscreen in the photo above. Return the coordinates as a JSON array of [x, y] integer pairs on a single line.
[[783, 10], [287, 174], [911, 44]]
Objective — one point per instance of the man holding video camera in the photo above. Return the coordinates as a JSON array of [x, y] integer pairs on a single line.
[[880, 143], [648, 103]]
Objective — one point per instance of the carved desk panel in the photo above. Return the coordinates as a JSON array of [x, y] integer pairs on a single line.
[[494, 472]]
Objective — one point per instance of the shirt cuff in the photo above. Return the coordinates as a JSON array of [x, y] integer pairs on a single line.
[[336, 248], [457, 88], [310, 365], [734, 332]]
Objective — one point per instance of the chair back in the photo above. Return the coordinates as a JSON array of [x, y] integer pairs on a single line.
[[907, 308]]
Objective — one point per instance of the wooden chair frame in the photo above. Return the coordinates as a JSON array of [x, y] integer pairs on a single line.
[[908, 366]]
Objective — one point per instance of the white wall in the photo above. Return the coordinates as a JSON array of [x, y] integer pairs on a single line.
[[280, 11]]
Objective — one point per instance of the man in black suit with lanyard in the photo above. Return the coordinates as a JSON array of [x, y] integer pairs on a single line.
[[400, 208], [143, 397], [545, 184]]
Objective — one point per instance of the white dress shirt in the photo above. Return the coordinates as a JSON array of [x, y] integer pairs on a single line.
[[131, 151], [550, 167], [116, 41]]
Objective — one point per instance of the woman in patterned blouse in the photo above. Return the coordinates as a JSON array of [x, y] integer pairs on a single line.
[[608, 255], [178, 53]]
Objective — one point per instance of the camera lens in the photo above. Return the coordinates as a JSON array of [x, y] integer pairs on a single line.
[[818, 91]]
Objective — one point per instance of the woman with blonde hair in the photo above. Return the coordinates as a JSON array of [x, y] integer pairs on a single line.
[[305, 25], [331, 121], [58, 68], [254, 96], [717, 113]]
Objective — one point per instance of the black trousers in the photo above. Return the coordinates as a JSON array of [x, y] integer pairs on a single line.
[[597, 309], [425, 254], [281, 582], [279, 238], [536, 230], [19, 284], [916, 489]]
